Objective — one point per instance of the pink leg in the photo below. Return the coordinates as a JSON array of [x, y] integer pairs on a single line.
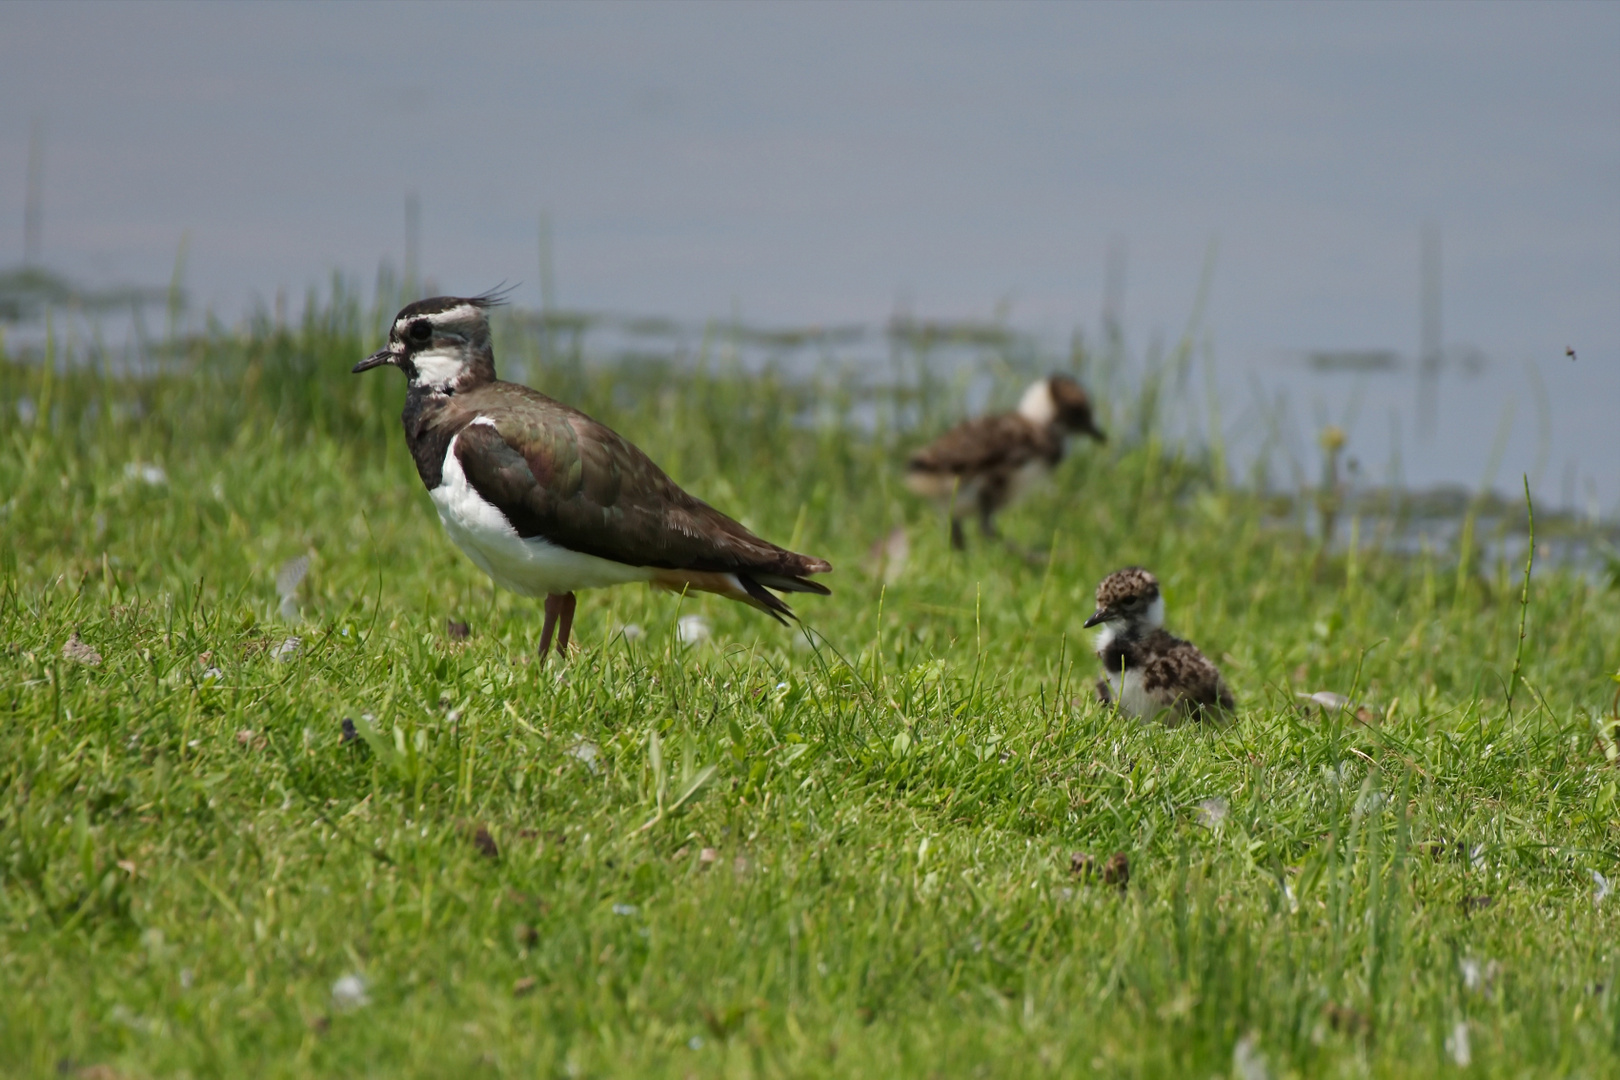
[[553, 607], [566, 624]]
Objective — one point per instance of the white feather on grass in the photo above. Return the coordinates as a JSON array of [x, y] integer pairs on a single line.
[[288, 578]]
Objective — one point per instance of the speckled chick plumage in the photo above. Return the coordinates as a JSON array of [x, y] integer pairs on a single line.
[[982, 465], [1123, 587], [1150, 672]]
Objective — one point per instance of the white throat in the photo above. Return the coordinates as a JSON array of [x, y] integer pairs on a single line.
[[437, 367], [1152, 619], [1037, 405]]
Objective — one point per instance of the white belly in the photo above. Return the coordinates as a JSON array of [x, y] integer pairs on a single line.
[[1132, 696], [1126, 686], [962, 493], [1027, 477], [944, 488], [532, 567]]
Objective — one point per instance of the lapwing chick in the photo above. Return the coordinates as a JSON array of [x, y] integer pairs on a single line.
[[981, 465], [547, 501], [1148, 670]]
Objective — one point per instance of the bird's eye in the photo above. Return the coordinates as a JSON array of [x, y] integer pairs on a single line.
[[419, 331]]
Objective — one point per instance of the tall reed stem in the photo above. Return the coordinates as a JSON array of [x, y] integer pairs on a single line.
[[1524, 595]]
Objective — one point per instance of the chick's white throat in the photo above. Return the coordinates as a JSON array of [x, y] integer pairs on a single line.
[[1037, 405], [1150, 620]]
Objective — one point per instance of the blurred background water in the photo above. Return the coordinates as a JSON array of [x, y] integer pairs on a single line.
[[1398, 220]]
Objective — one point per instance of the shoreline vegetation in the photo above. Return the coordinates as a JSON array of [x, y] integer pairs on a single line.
[[284, 791]]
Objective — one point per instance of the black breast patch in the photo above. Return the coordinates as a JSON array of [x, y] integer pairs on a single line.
[[428, 431], [1118, 655]]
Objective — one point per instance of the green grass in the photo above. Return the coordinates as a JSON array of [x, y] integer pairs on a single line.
[[190, 859]]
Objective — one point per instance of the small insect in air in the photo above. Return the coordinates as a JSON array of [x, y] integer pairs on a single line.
[[1569, 351]]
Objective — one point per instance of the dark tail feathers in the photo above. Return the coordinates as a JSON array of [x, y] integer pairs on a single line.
[[788, 583], [769, 602]]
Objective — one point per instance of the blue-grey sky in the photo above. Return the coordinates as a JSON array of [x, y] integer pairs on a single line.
[[817, 163]]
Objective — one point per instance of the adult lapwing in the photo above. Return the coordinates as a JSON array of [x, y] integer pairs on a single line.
[[1148, 670], [983, 464], [547, 501]]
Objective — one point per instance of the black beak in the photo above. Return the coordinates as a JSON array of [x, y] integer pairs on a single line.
[[1101, 615], [376, 359], [1095, 432]]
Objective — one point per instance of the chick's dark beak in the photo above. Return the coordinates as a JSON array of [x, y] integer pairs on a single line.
[[1101, 615], [1094, 431], [376, 359]]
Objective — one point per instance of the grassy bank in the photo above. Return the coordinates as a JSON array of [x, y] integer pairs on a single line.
[[765, 854]]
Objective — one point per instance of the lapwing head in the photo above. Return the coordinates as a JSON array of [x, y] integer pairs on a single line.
[[1129, 598], [1060, 400], [441, 343]]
